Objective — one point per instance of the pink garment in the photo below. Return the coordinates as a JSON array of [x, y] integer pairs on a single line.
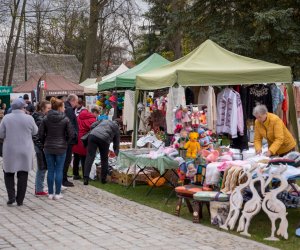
[[297, 99]]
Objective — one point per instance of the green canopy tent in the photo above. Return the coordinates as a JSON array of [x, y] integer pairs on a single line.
[[211, 65], [128, 78]]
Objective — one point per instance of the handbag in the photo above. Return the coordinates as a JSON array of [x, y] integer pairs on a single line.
[[85, 139]]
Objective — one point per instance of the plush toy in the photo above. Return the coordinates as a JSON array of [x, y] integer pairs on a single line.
[[202, 118], [226, 156], [192, 146], [195, 117], [191, 170], [149, 101], [183, 139], [210, 156], [204, 139], [185, 116]]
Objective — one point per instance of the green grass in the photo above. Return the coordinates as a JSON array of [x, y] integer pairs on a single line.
[[260, 226]]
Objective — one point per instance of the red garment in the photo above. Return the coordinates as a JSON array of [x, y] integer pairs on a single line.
[[285, 107], [85, 119]]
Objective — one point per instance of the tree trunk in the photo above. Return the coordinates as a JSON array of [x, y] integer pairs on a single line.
[[95, 7], [38, 32], [13, 60], [11, 36]]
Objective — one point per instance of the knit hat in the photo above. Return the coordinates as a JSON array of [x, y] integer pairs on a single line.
[[18, 103]]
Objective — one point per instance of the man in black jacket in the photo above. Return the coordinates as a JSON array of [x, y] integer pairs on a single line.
[[102, 134], [30, 108], [70, 106]]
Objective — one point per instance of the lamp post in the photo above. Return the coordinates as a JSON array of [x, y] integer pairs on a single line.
[[25, 47]]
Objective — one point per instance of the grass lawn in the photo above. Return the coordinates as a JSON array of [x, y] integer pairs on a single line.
[[260, 226]]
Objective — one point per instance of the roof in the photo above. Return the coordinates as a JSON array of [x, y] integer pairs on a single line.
[[127, 79], [93, 87], [57, 85], [210, 64], [66, 65]]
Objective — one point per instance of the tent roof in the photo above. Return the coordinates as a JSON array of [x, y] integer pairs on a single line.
[[93, 87], [128, 78], [210, 64], [57, 85], [88, 81]]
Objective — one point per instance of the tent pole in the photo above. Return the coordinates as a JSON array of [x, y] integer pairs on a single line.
[[135, 127]]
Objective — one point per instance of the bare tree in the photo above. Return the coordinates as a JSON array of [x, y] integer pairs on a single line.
[[95, 8], [14, 12], [13, 59]]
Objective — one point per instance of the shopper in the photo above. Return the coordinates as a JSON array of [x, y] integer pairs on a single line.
[[55, 133], [79, 107], [29, 108], [17, 130], [272, 128], [85, 120], [101, 136], [70, 106], [42, 109]]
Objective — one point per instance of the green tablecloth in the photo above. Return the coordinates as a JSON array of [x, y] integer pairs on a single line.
[[162, 163]]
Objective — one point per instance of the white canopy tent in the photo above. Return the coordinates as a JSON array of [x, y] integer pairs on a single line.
[[91, 85]]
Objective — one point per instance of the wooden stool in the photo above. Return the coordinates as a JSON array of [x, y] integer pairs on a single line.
[[185, 193], [202, 198]]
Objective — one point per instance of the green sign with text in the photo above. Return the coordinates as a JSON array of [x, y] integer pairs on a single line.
[[5, 90]]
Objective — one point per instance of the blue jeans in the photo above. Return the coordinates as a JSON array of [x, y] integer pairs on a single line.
[[55, 164], [40, 175]]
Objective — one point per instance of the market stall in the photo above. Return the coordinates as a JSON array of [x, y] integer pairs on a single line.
[[91, 84], [5, 92], [214, 172], [53, 85]]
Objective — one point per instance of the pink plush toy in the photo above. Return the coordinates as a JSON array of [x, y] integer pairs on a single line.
[[226, 156], [210, 156]]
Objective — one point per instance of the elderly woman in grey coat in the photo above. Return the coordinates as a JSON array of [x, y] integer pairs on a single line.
[[17, 129]]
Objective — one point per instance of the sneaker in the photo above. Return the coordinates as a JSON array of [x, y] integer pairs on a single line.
[[11, 202], [86, 181], [63, 188], [68, 184], [50, 196], [41, 193], [58, 196], [76, 177]]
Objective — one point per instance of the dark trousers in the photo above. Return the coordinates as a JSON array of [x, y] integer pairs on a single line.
[[103, 146], [67, 162], [9, 179], [78, 158]]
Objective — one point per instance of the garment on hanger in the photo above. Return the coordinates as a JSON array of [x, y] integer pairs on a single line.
[[277, 97], [258, 94], [285, 107], [296, 91], [207, 97], [128, 114], [176, 97], [228, 108]]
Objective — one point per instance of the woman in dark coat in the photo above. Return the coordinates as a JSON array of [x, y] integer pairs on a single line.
[[55, 133], [42, 110]]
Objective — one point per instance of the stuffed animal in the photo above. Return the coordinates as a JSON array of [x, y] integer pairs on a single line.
[[195, 117], [226, 156], [191, 170], [183, 139], [202, 118], [192, 146], [210, 156], [205, 140]]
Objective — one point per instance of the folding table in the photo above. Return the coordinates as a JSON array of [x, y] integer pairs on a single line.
[[138, 159]]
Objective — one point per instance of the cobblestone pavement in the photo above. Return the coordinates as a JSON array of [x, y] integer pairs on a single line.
[[89, 218]]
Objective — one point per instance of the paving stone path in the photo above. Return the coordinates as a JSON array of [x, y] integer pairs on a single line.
[[89, 218]]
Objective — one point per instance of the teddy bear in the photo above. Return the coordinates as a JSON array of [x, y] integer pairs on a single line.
[[204, 139], [195, 117], [183, 139], [192, 146]]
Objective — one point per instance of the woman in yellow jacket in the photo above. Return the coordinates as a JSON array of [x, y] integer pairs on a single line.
[[272, 128]]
